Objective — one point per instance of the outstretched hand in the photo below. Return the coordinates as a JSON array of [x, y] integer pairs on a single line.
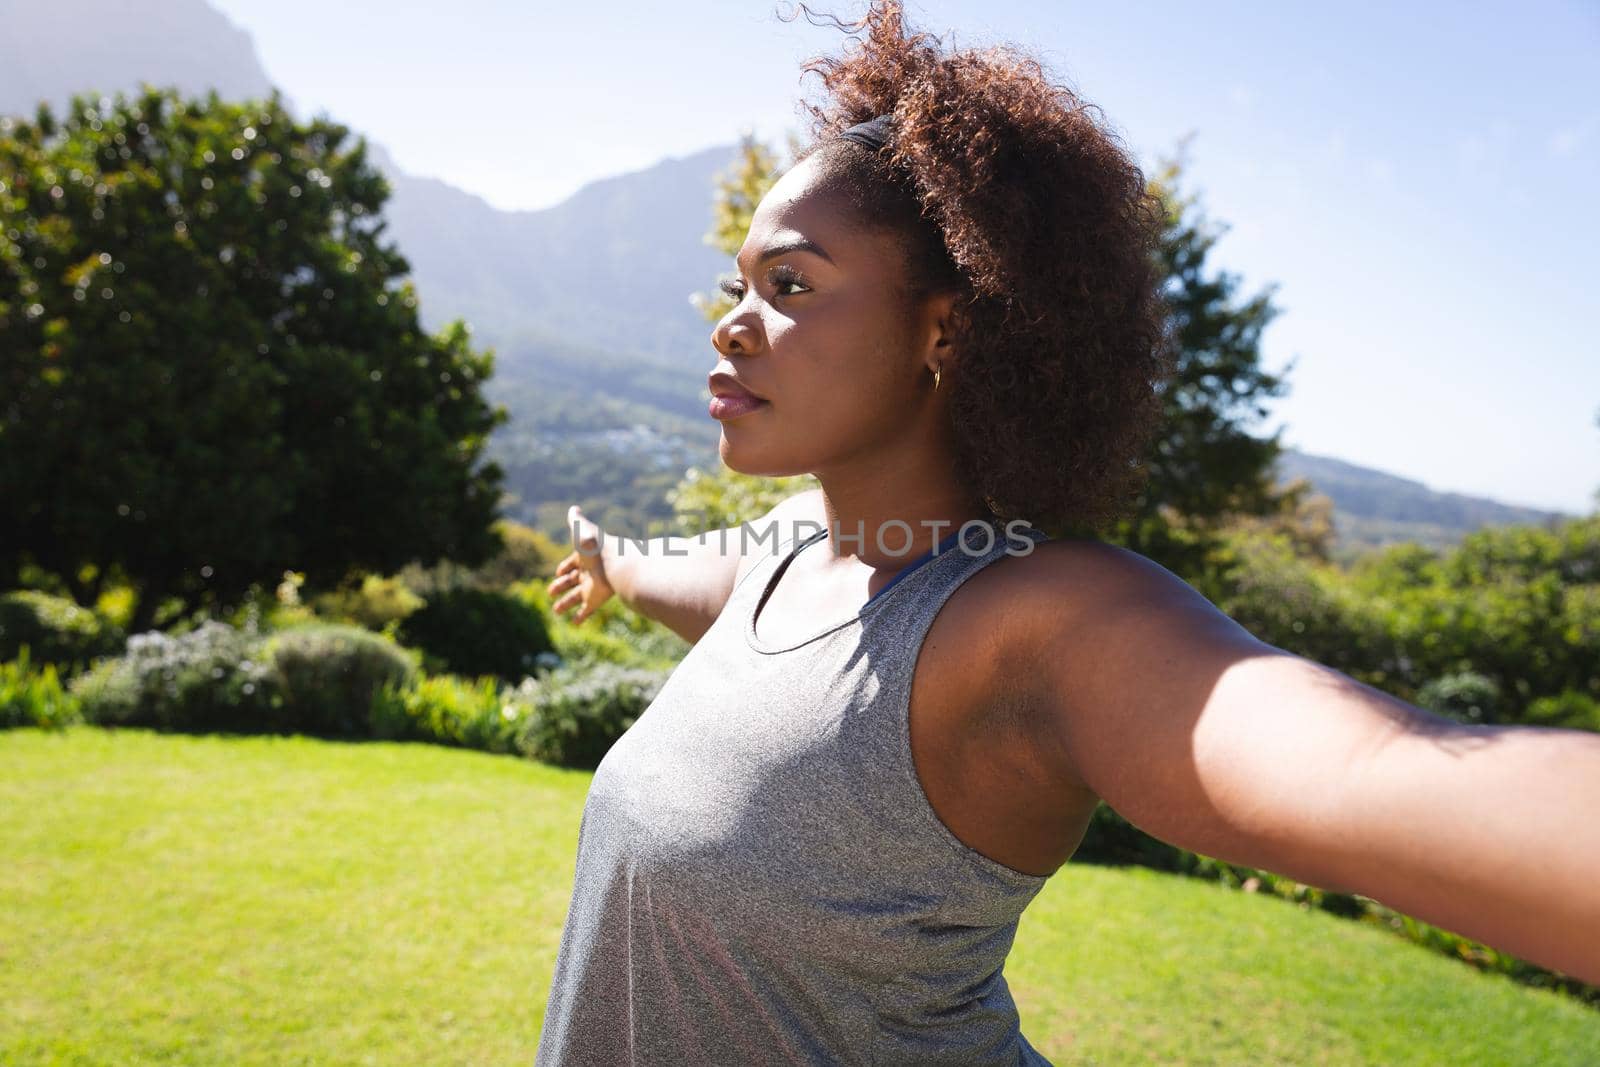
[[581, 576]]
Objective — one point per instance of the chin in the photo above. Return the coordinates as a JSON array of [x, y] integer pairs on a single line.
[[742, 458]]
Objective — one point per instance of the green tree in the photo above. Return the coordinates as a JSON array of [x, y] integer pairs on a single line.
[[735, 194], [1206, 467], [210, 363]]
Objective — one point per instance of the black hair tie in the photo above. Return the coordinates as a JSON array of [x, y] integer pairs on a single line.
[[872, 133]]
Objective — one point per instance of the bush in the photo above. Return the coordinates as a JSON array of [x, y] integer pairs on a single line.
[[212, 678], [377, 603], [529, 555], [1304, 607], [328, 675], [1571, 710], [473, 632], [447, 710], [614, 634], [30, 697], [578, 712], [1466, 697], [55, 629]]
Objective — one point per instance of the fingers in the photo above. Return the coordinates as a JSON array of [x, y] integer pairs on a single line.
[[574, 598]]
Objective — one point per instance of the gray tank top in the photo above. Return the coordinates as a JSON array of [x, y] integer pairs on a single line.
[[760, 876]]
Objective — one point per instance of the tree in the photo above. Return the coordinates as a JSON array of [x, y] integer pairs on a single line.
[[211, 367], [1206, 467], [735, 194]]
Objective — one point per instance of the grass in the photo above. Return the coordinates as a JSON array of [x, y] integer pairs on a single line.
[[222, 900]]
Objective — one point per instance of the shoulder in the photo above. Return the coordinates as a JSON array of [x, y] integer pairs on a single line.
[[1094, 603], [1026, 598], [1067, 581], [1086, 632]]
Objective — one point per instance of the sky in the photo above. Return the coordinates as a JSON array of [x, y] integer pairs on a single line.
[[1418, 181]]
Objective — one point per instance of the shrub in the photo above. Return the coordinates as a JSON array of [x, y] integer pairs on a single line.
[[116, 604], [473, 632], [1305, 607], [259, 610], [1465, 696], [579, 711], [529, 555], [55, 629], [377, 603], [30, 697], [1571, 710], [211, 678], [328, 675], [614, 634], [448, 710]]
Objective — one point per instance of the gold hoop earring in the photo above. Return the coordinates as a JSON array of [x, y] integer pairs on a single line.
[[936, 379]]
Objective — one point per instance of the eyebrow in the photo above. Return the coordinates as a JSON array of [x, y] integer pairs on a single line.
[[798, 244]]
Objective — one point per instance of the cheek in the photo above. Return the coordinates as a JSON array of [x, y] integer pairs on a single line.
[[840, 350], [839, 368]]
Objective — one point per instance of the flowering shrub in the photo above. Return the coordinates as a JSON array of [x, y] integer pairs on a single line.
[[212, 678]]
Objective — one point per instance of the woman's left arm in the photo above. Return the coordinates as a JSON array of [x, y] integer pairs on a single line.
[[1214, 741]]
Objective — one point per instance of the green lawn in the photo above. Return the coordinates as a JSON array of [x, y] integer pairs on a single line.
[[278, 901]]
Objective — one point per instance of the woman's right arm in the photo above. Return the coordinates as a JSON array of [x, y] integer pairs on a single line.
[[681, 582]]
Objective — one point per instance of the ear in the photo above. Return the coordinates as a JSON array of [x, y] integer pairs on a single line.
[[938, 328]]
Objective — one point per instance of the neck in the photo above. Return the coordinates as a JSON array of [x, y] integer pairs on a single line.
[[890, 508]]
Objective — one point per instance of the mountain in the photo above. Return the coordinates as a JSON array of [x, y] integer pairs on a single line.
[[1372, 508], [611, 267], [56, 49]]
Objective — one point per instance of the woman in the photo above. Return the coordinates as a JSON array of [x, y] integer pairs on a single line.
[[815, 844]]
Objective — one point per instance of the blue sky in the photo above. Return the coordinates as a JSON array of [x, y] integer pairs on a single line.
[[1418, 179]]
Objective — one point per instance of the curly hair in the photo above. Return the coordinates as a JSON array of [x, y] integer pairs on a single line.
[[1010, 190]]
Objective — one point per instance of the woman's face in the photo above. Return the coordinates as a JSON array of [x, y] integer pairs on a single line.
[[823, 332]]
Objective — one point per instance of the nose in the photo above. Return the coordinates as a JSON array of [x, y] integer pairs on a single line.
[[734, 333]]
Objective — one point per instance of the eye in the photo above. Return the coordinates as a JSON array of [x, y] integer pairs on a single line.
[[781, 278]]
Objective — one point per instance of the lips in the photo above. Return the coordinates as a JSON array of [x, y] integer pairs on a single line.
[[732, 406], [730, 399]]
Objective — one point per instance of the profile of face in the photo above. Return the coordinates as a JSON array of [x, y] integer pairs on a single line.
[[825, 333]]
